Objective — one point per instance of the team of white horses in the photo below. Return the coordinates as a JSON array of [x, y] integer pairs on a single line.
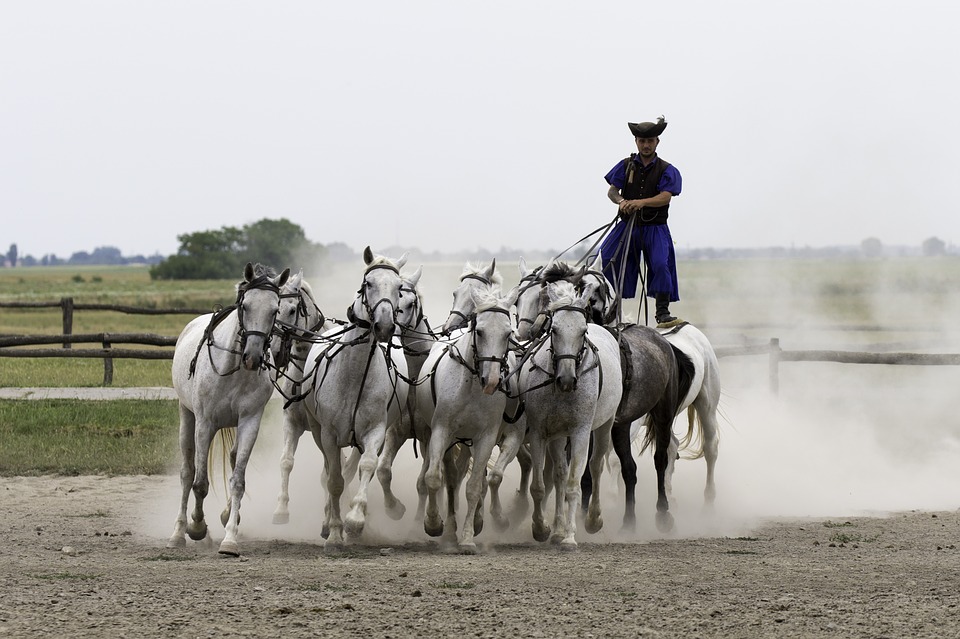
[[529, 371]]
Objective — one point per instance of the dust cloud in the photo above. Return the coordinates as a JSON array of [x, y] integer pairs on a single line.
[[837, 440]]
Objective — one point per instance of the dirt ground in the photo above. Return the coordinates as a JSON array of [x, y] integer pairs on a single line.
[[86, 556]]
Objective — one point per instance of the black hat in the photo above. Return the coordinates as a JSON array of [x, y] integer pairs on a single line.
[[647, 129]]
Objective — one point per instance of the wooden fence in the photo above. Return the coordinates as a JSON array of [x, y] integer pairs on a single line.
[[778, 355], [107, 341], [108, 352]]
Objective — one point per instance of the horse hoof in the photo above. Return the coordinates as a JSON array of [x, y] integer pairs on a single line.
[[229, 548], [568, 545], [281, 518], [177, 542], [541, 533], [396, 511], [197, 531], [502, 524], [225, 516], [469, 548], [556, 539], [664, 522], [478, 524], [353, 526], [332, 547], [433, 528], [593, 526], [325, 532]]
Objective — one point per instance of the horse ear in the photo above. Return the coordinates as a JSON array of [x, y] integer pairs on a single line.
[[402, 260], [577, 276], [367, 256], [524, 271], [597, 263], [248, 272], [283, 277], [588, 290], [512, 296], [490, 271], [413, 279]]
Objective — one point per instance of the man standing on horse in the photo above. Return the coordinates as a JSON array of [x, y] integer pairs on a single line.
[[642, 186]]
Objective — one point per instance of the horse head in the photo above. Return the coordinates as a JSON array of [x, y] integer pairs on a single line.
[[258, 299], [567, 311], [491, 332], [528, 300], [472, 278], [298, 316], [603, 302], [379, 295], [410, 308]]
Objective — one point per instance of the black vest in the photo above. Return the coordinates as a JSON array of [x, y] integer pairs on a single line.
[[641, 182]]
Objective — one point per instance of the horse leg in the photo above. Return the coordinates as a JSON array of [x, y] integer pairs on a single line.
[[247, 429], [586, 481], [372, 443], [222, 437], [481, 451], [561, 468], [579, 451], [333, 522], [188, 469], [433, 480], [663, 425], [197, 528], [620, 435], [454, 465], [509, 448], [421, 481], [292, 431], [711, 446], [391, 446], [521, 504], [601, 446], [541, 532]]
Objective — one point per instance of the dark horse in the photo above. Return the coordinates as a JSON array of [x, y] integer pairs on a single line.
[[656, 378]]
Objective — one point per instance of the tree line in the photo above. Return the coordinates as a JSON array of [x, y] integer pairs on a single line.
[[222, 253]]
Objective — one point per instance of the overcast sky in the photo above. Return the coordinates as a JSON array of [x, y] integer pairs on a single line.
[[456, 125]]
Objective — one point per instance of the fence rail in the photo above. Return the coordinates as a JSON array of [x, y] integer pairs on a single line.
[[68, 306], [12, 345], [777, 355]]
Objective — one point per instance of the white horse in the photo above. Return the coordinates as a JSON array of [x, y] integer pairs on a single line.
[[571, 386], [355, 390], [298, 321], [221, 381], [473, 279], [458, 393], [416, 340]]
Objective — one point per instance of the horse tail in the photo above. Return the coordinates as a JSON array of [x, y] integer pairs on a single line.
[[220, 449], [693, 440]]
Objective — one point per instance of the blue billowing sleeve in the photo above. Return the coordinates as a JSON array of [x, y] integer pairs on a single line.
[[670, 181], [618, 175]]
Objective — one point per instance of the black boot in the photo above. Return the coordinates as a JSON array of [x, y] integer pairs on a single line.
[[663, 315]]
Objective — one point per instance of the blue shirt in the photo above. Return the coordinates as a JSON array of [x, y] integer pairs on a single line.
[[669, 181]]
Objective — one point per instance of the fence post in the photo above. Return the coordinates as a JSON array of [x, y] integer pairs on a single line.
[[66, 304], [774, 367], [107, 363]]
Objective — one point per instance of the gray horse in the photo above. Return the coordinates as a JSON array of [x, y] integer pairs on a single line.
[[221, 379]]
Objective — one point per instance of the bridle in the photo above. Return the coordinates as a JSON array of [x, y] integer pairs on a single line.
[[261, 282], [468, 276], [362, 296]]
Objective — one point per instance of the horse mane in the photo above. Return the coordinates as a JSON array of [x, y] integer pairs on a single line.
[[487, 298], [382, 260], [480, 270], [260, 272], [565, 293], [557, 271]]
